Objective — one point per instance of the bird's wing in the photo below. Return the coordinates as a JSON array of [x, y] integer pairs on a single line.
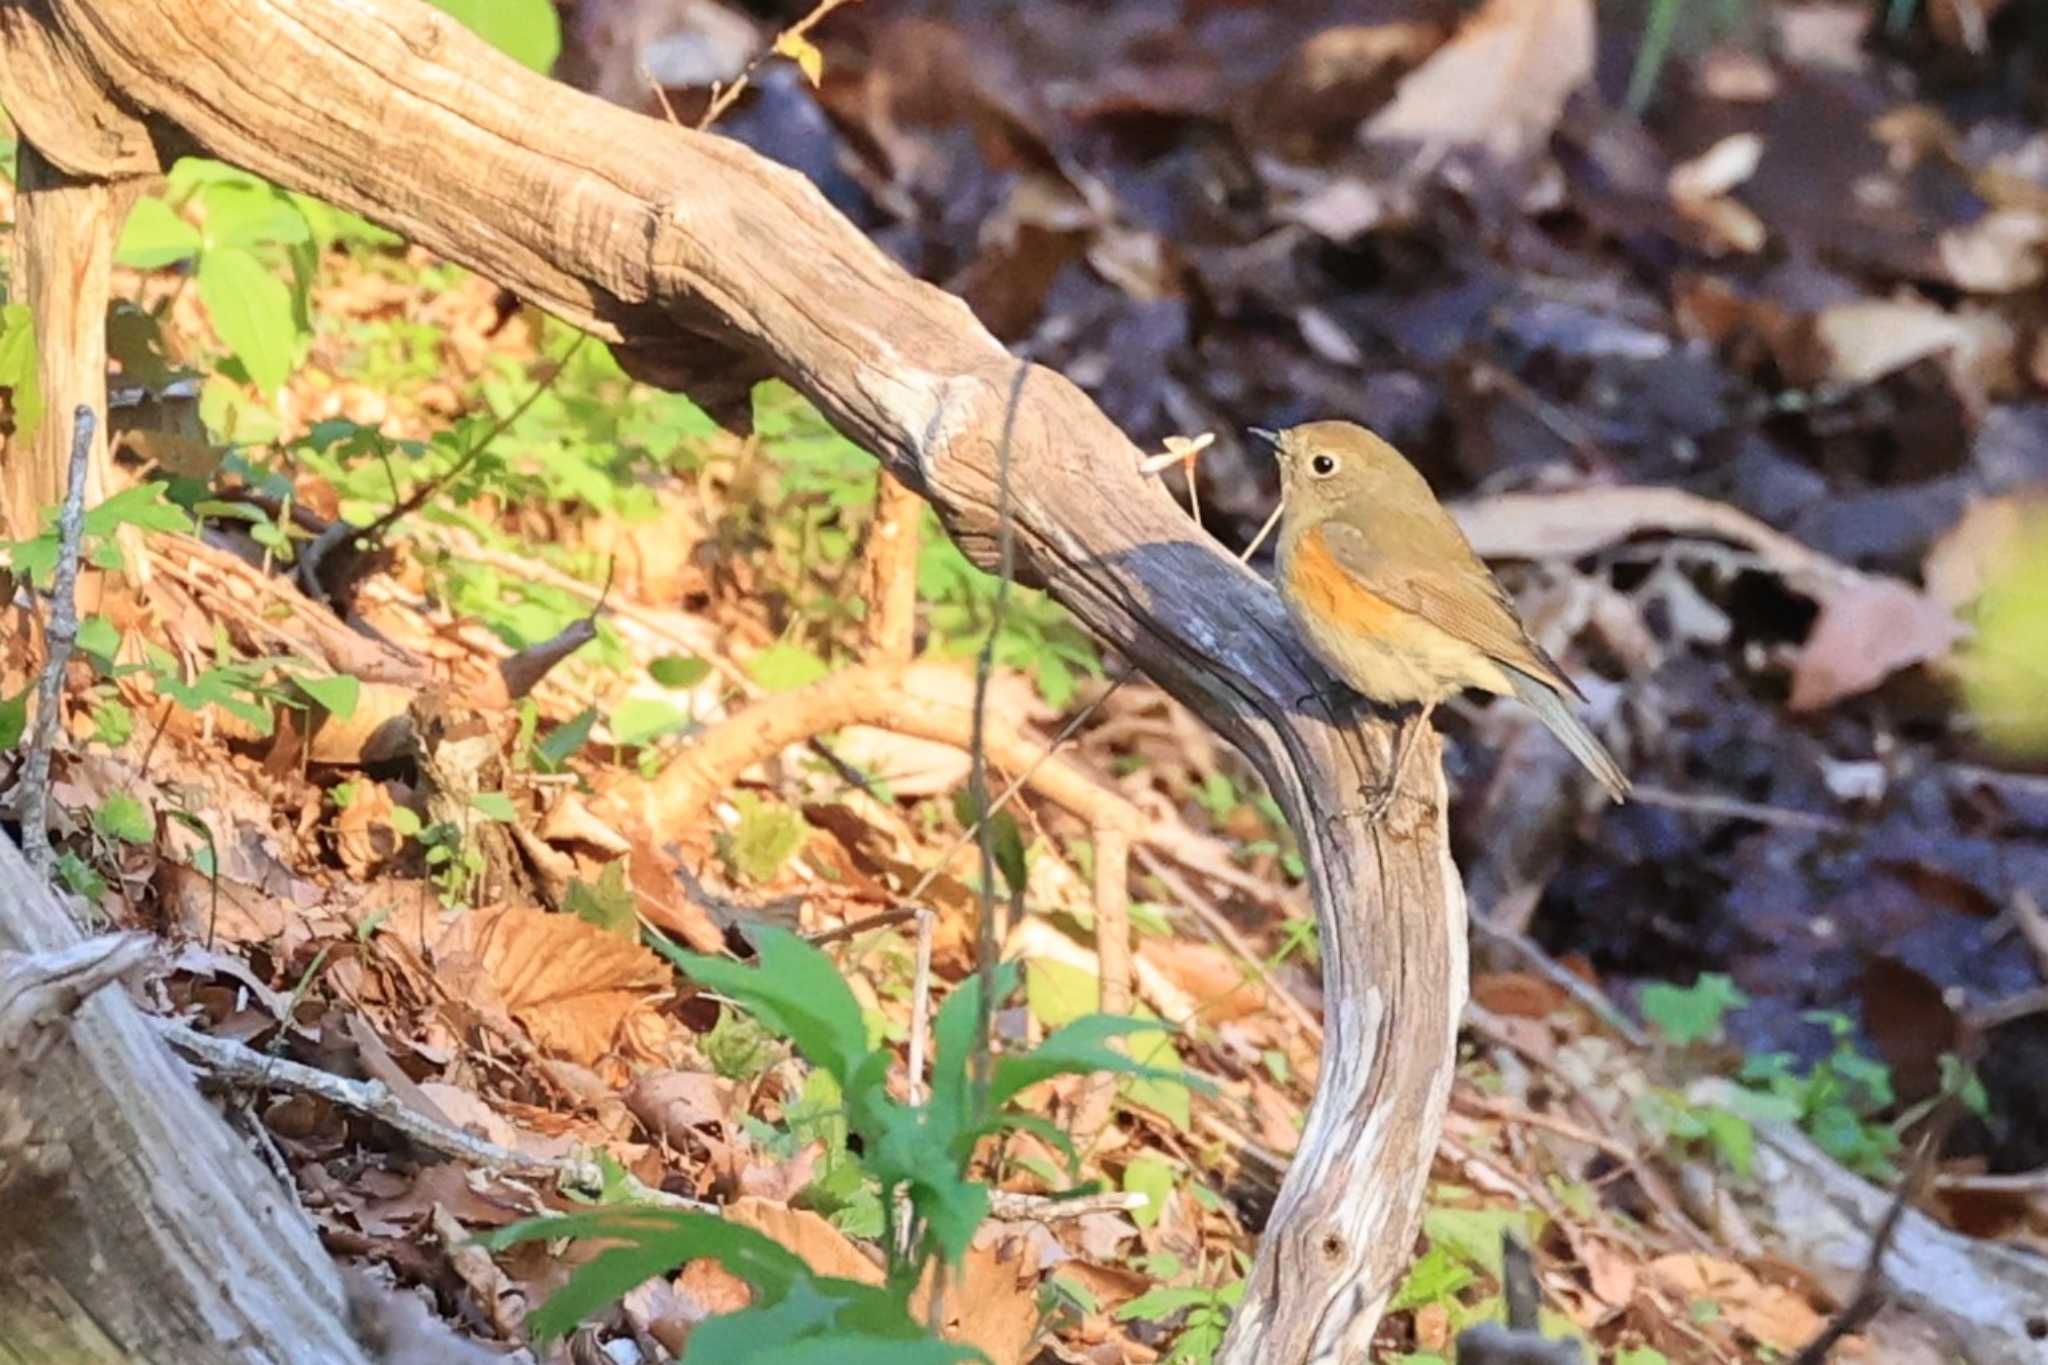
[[1439, 578]]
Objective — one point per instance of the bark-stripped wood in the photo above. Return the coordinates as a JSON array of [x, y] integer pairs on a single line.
[[712, 266]]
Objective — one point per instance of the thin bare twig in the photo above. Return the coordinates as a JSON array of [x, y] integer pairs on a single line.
[[232, 1062], [1870, 1295], [1011, 1207], [987, 949], [1732, 808], [1226, 933], [2033, 923], [241, 1065], [59, 636], [1574, 985], [724, 97], [913, 1065], [920, 1007], [1060, 737], [417, 499]]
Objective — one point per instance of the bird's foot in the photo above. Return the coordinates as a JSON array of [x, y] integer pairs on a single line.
[[1379, 802]]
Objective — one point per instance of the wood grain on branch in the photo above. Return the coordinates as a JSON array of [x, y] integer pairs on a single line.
[[709, 267]]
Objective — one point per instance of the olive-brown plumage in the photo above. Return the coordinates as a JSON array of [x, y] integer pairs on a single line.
[[1392, 598]]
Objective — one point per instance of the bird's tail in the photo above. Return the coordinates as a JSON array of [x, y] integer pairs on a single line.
[[1550, 708]]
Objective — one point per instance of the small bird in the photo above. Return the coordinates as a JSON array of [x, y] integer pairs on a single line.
[[1391, 597]]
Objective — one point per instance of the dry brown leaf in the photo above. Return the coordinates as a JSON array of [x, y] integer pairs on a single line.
[[1866, 633], [1869, 339], [492, 1290], [1999, 253], [1279, 1118], [1519, 994], [1222, 987], [708, 1288], [469, 1112], [377, 731], [1500, 82], [1611, 1273], [676, 1103], [822, 1247], [364, 839], [992, 1303], [567, 982], [1869, 627], [1772, 1314], [778, 1181], [910, 767]]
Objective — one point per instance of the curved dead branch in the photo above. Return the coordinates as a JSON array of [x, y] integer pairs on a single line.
[[710, 267]]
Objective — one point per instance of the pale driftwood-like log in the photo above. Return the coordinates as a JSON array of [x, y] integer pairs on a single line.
[[709, 267], [1988, 1301], [134, 1224]]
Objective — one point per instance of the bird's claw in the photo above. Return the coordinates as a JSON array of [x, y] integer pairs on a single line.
[[1379, 801]]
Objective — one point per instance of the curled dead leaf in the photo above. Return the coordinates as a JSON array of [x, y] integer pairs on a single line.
[[1499, 83], [1866, 632], [566, 981]]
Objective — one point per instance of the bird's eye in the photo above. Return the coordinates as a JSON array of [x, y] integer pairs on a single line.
[[1323, 466]]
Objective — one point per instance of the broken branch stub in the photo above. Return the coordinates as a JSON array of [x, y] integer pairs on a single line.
[[709, 266]]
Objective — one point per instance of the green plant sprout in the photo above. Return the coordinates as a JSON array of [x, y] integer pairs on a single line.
[[915, 1157]]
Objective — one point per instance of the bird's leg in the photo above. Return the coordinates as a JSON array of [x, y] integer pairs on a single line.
[[1334, 697], [1404, 743]]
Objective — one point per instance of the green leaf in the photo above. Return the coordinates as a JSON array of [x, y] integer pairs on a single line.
[[679, 670], [140, 505], [527, 31], [786, 666], [1006, 840], [79, 877], [561, 743], [1162, 1302], [953, 1033], [827, 1348], [123, 817], [654, 1241], [1435, 1278], [405, 822], [608, 903], [1155, 1179], [18, 369], [1732, 1137], [337, 693], [637, 720], [155, 236], [100, 638], [14, 717], [796, 992], [1058, 993], [248, 215], [1474, 1235], [494, 806], [1158, 1086], [1079, 1049], [252, 310], [1691, 1014], [767, 834]]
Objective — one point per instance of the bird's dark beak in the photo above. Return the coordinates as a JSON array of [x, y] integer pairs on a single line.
[[1267, 435]]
